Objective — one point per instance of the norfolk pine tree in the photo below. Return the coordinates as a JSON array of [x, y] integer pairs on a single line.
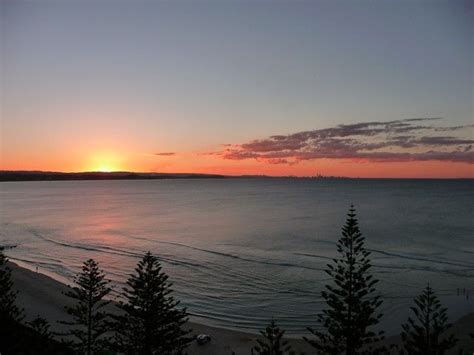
[[10, 314], [424, 335], [90, 322], [8, 309], [151, 322], [41, 326], [351, 299], [272, 342]]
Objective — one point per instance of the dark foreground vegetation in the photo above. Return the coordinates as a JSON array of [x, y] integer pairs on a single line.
[[16, 336], [151, 321]]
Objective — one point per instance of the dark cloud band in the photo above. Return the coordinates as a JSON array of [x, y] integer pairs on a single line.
[[413, 139], [165, 154]]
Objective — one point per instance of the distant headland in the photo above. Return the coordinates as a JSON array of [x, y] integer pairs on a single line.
[[6, 175], [27, 175]]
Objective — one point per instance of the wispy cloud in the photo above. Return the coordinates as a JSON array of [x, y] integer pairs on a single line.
[[412, 139], [164, 153]]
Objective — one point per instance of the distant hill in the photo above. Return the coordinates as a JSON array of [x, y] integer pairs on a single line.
[[29, 175], [6, 175]]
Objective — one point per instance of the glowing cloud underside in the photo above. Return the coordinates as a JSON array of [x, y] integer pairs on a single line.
[[414, 139]]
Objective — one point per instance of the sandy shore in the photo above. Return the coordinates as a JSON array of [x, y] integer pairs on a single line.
[[43, 296]]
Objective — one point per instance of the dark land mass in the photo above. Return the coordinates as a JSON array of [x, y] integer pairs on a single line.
[[28, 175], [119, 175], [18, 175]]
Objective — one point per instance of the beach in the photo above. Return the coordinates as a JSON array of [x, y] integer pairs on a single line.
[[297, 170], [41, 295], [240, 251]]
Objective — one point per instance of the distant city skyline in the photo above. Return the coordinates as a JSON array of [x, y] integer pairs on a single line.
[[344, 88]]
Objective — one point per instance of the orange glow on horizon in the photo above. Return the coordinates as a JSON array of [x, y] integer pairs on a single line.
[[96, 159], [105, 162]]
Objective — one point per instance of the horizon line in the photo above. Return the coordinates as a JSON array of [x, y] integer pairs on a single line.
[[215, 175]]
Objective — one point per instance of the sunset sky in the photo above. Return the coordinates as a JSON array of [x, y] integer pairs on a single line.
[[355, 88]]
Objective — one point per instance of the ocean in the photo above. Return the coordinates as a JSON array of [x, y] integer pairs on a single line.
[[241, 251]]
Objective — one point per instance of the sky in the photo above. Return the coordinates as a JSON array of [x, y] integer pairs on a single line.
[[349, 88]]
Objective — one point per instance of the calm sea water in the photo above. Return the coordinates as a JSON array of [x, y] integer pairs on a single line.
[[241, 251]]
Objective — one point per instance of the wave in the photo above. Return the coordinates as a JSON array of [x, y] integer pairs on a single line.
[[456, 272], [420, 258], [228, 255], [111, 250], [247, 283]]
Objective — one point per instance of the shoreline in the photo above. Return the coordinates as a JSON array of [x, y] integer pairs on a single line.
[[55, 176], [42, 295], [24, 266]]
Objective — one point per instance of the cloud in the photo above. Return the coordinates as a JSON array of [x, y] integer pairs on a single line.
[[412, 139], [165, 153]]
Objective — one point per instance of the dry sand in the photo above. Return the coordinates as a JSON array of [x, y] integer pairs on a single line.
[[43, 296]]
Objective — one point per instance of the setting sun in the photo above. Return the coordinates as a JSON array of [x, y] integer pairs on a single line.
[[105, 168], [309, 164], [104, 162]]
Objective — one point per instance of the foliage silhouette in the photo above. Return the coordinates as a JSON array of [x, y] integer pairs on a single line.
[[272, 342], [425, 334], [151, 322], [351, 299], [89, 322], [15, 337], [8, 309], [41, 326], [10, 313]]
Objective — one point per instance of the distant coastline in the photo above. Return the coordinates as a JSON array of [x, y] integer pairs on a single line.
[[34, 175], [23, 175], [6, 175]]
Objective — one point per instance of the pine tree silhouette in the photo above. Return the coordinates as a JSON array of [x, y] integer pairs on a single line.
[[152, 322], [8, 309], [272, 342], [10, 314], [425, 335], [351, 299], [41, 327], [90, 322]]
